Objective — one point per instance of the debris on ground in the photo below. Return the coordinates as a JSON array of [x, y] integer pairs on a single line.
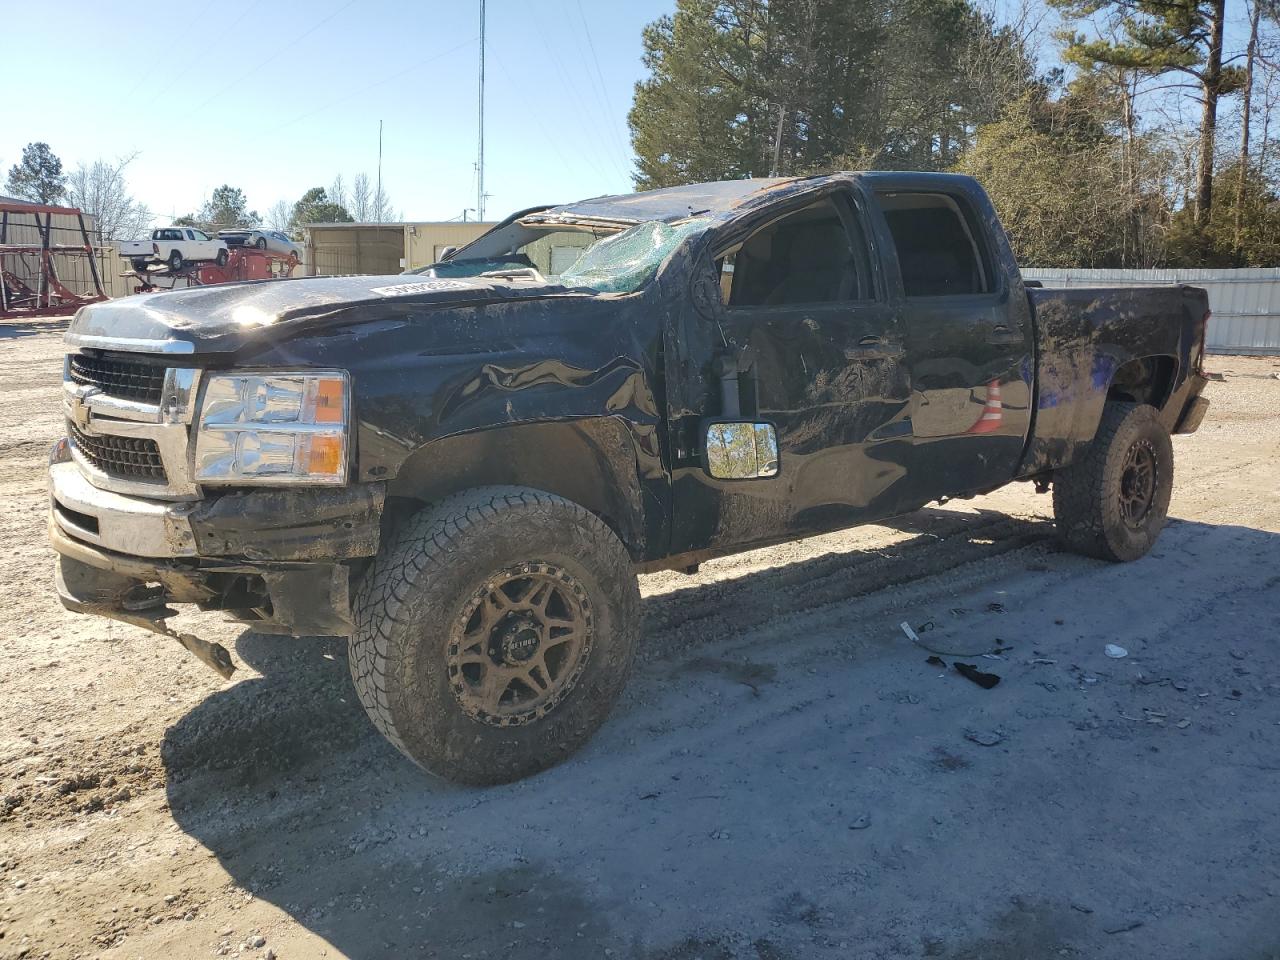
[[937, 661], [861, 823], [970, 671], [984, 738], [1124, 929], [913, 634], [1115, 651]]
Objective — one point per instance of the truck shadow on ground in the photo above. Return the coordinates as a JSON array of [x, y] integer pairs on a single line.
[[13, 329], [283, 779]]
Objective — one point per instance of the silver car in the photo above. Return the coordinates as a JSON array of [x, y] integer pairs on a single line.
[[263, 239]]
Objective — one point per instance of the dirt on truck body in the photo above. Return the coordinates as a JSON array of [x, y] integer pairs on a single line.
[[463, 470]]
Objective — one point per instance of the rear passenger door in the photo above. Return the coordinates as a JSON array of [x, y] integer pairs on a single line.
[[803, 319], [968, 337]]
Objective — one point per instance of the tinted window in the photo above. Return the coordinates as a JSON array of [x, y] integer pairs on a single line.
[[939, 250], [805, 257]]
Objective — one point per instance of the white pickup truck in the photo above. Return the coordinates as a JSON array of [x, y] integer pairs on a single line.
[[174, 246]]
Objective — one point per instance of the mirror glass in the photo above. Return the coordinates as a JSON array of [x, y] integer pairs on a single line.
[[742, 451]]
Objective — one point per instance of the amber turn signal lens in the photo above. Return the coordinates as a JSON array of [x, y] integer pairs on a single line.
[[326, 402], [325, 455]]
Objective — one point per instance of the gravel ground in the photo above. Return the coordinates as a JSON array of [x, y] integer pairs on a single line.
[[785, 778]]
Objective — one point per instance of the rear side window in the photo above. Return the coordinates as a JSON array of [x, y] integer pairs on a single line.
[[940, 251]]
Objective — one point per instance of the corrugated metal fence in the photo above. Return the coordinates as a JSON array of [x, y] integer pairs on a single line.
[[1245, 303]]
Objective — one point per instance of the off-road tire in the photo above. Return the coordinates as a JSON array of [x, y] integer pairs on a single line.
[[1087, 495], [409, 603]]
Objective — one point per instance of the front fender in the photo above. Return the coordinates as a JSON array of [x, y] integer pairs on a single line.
[[596, 462]]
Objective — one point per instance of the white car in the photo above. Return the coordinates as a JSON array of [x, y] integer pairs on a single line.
[[262, 239], [175, 246]]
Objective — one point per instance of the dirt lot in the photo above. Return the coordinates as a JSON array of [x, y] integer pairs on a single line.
[[786, 778]]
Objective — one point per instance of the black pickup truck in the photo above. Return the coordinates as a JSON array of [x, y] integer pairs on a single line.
[[464, 469]]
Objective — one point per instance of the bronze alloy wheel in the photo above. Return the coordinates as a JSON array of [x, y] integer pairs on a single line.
[[1138, 483], [520, 644]]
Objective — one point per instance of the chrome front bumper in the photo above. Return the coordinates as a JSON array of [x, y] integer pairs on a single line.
[[123, 524]]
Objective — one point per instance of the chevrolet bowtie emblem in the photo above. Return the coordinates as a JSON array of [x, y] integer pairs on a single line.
[[80, 412]]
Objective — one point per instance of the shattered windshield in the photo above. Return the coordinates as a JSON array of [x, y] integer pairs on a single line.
[[623, 262], [602, 258]]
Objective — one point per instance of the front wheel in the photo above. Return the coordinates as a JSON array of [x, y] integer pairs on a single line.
[[494, 632], [1112, 502]]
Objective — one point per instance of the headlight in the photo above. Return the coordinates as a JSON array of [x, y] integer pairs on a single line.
[[273, 428]]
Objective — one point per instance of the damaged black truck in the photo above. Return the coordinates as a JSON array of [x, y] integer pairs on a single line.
[[464, 469]]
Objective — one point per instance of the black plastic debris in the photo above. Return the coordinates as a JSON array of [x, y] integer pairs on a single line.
[[970, 671], [936, 661], [1125, 928]]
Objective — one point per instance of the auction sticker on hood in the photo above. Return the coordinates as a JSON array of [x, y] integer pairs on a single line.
[[424, 286]]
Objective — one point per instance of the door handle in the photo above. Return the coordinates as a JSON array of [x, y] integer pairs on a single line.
[[1003, 333]]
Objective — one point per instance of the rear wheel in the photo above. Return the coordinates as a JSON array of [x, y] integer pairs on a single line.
[[1113, 501], [261, 243], [494, 633], [175, 260], [222, 258]]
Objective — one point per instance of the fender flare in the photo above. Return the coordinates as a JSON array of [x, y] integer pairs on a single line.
[[591, 461]]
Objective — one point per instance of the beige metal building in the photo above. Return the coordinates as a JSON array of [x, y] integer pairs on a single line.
[[382, 248]]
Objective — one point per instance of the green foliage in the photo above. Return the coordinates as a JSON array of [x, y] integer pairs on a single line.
[[1057, 178], [896, 84], [1243, 230], [38, 176], [316, 207], [1153, 37], [225, 209]]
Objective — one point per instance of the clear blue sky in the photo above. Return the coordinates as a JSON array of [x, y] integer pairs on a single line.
[[278, 97]]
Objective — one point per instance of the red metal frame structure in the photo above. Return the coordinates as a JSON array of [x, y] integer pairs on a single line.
[[243, 263], [50, 296]]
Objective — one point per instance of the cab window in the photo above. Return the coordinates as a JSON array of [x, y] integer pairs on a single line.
[[803, 258], [939, 249]]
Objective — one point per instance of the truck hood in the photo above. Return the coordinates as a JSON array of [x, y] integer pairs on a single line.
[[223, 318]]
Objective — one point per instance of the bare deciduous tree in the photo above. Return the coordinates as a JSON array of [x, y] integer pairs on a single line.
[[280, 216], [100, 189], [370, 204], [360, 199]]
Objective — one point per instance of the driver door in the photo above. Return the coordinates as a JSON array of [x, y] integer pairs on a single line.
[[797, 333]]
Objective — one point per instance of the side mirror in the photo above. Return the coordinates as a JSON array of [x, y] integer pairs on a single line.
[[741, 450]]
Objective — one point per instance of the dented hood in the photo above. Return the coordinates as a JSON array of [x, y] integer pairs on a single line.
[[227, 317]]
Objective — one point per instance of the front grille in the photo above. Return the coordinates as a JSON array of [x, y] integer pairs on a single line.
[[127, 379], [129, 458]]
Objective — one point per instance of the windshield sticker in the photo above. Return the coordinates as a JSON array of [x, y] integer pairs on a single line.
[[425, 286]]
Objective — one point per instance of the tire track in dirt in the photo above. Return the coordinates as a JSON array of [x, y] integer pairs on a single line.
[[745, 605]]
